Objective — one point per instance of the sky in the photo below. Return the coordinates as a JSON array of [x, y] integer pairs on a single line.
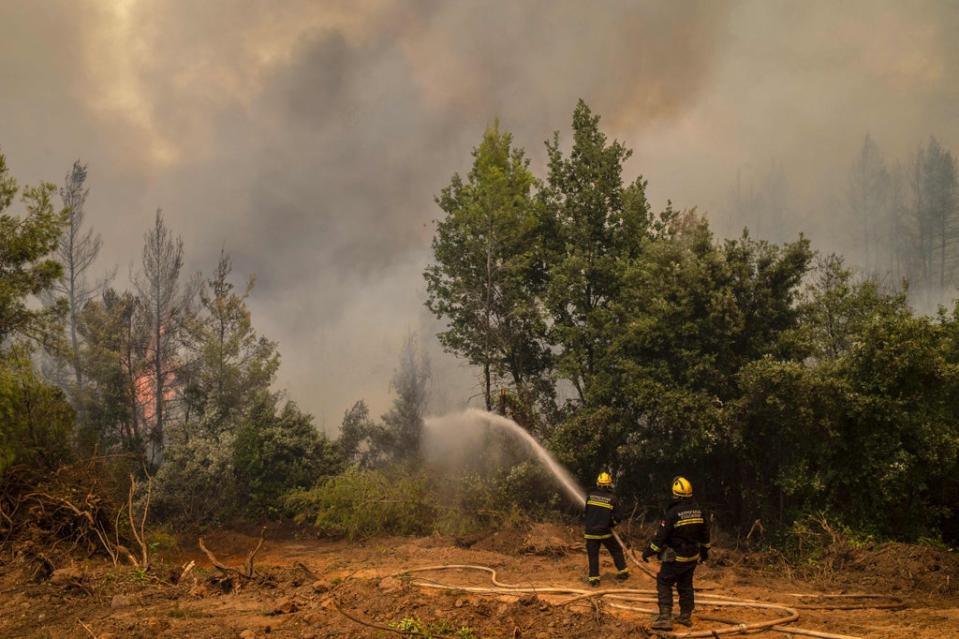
[[309, 138]]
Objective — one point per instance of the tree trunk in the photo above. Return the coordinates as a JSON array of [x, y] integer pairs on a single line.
[[487, 391]]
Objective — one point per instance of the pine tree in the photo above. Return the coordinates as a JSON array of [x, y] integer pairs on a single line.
[[404, 421], [935, 204], [167, 304], [230, 364], [78, 249], [114, 342], [867, 197]]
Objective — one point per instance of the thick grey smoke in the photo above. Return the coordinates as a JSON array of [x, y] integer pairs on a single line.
[[309, 138]]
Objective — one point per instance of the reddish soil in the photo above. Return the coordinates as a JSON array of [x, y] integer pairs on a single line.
[[300, 581]]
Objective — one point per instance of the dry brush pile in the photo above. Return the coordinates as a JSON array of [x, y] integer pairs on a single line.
[[82, 509]]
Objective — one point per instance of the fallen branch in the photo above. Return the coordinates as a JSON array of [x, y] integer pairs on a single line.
[[377, 626], [139, 531], [87, 628], [247, 572]]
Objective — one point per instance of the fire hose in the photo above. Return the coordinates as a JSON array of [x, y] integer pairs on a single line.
[[786, 614], [626, 598]]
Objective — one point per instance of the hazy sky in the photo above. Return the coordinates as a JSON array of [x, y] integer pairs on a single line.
[[309, 138]]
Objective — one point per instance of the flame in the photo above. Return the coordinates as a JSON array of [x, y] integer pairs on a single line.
[[144, 384]]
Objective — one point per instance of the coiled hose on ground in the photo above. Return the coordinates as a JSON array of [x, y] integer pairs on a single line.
[[626, 598]]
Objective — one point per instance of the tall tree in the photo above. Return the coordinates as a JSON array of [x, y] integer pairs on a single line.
[[595, 224], [867, 196], [76, 252], [230, 363], [114, 342], [167, 303], [27, 266], [936, 200], [487, 268], [404, 421], [901, 228]]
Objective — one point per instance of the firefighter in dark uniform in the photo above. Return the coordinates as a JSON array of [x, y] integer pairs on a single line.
[[681, 541], [602, 513]]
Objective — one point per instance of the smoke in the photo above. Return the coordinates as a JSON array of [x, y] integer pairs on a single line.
[[309, 138], [451, 440]]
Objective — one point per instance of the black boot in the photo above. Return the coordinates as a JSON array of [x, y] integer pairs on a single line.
[[685, 618], [622, 575], [664, 621]]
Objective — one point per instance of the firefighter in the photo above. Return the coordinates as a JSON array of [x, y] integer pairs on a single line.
[[681, 541], [602, 513]]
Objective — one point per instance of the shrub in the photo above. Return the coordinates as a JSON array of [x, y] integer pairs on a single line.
[[36, 422], [509, 497], [361, 504], [276, 453], [195, 482]]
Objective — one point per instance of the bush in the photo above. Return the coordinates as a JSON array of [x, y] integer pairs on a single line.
[[278, 453], [362, 504], [36, 422], [195, 482], [508, 498]]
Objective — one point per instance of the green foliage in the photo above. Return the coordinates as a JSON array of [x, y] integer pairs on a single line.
[[196, 481], [113, 359], [278, 451], [36, 422], [489, 266], [362, 504], [27, 266], [413, 627], [506, 498], [403, 423], [595, 225], [782, 388], [230, 364]]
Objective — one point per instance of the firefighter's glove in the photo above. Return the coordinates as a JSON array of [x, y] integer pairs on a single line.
[[647, 554], [703, 554]]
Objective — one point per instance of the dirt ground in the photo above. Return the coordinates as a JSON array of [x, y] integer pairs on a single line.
[[300, 582]]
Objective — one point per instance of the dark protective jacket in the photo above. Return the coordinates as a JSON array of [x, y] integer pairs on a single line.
[[602, 513], [683, 531]]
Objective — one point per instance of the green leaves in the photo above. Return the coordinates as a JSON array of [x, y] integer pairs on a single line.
[[27, 266], [488, 267]]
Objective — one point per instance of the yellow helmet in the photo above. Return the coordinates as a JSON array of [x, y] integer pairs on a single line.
[[682, 487], [604, 479]]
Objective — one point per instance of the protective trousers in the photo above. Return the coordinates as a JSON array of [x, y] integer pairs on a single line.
[[592, 551], [679, 573]]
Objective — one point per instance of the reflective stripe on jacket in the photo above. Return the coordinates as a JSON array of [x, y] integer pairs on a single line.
[[683, 531], [602, 513]]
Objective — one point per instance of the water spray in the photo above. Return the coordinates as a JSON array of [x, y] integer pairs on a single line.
[[625, 598], [566, 481]]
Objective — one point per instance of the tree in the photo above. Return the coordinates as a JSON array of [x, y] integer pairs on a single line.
[[836, 308], [278, 451], [27, 268], [36, 422], [230, 363], [77, 250], [488, 269], [868, 196], [356, 443], [593, 226], [167, 304], [115, 364], [935, 203], [404, 421]]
